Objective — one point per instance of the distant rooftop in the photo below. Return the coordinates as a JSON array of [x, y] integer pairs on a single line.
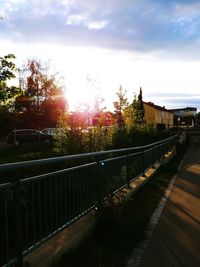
[[157, 107], [184, 109]]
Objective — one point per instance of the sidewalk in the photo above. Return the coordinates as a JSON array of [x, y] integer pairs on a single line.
[[176, 239]]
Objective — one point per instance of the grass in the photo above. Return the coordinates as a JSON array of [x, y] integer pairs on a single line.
[[119, 227], [26, 152]]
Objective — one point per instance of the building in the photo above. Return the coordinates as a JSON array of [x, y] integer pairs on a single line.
[[160, 117], [185, 117], [189, 111]]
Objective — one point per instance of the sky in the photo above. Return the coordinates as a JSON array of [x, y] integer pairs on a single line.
[[99, 45]]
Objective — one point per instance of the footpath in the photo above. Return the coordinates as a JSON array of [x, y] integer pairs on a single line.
[[176, 238]]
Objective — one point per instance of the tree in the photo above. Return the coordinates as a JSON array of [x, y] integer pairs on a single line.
[[197, 119], [7, 72], [8, 94], [129, 114], [119, 106], [7, 67], [43, 101], [139, 108]]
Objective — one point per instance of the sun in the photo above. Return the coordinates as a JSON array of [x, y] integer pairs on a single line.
[[90, 74], [80, 92]]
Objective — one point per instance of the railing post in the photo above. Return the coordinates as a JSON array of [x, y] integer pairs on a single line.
[[127, 171], [152, 152], [99, 182], [159, 152], [143, 163], [18, 224]]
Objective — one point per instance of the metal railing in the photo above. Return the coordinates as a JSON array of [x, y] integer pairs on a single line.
[[35, 208]]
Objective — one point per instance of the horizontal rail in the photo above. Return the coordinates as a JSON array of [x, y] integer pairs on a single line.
[[47, 175], [6, 185], [45, 204], [48, 161]]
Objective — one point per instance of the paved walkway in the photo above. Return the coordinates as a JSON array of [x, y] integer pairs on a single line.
[[176, 239]]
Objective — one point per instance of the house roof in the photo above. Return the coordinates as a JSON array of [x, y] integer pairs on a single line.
[[157, 107]]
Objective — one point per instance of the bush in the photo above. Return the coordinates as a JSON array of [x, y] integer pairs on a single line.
[[77, 140], [74, 139]]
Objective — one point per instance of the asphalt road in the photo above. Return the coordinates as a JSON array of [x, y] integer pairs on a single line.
[[176, 239]]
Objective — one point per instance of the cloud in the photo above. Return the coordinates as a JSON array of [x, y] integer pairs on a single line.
[[97, 25], [174, 100], [76, 19], [161, 27], [173, 95]]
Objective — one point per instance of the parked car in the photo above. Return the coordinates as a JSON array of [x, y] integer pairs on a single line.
[[52, 131], [18, 137]]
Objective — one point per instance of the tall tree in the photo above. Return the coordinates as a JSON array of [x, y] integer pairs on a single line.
[[119, 106], [139, 108]]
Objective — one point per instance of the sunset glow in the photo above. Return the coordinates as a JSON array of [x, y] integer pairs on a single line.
[[96, 46]]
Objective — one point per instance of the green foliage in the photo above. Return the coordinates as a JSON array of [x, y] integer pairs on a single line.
[[7, 72], [134, 113], [197, 117], [121, 138], [8, 93], [119, 106], [7, 67], [99, 138], [74, 139], [129, 116], [24, 152], [69, 139], [138, 107], [143, 134]]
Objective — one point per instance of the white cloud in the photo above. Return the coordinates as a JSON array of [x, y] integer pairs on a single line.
[[76, 19], [124, 24], [186, 10], [97, 25]]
